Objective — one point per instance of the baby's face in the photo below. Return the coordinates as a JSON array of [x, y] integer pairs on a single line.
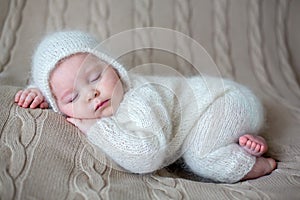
[[86, 88]]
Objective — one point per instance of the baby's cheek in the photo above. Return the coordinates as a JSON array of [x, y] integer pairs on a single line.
[[108, 112], [67, 110]]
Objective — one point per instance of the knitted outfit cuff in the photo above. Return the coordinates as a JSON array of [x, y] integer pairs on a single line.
[[244, 164]]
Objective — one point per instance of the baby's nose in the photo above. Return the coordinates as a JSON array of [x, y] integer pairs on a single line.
[[93, 94]]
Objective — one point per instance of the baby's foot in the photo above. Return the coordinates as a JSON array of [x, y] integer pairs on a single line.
[[255, 145], [262, 166]]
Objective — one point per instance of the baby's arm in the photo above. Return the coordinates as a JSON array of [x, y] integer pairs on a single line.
[[30, 98], [135, 150], [136, 137]]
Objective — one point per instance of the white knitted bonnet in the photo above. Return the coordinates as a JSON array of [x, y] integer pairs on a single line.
[[60, 45]]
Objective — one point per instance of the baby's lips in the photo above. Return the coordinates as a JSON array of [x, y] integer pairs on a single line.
[[99, 105]]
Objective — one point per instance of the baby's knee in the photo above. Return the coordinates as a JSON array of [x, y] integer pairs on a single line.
[[247, 109]]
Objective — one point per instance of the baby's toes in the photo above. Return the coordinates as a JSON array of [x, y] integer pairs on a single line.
[[243, 141], [248, 144], [253, 146], [257, 148], [263, 149]]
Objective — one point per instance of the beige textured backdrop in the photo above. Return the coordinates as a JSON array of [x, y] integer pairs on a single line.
[[255, 42], [238, 34]]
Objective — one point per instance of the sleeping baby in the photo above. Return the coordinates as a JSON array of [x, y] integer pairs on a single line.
[[145, 123]]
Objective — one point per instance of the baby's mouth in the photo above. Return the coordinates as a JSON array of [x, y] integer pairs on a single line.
[[101, 104]]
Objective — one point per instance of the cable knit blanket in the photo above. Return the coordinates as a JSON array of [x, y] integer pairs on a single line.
[[44, 157], [254, 42]]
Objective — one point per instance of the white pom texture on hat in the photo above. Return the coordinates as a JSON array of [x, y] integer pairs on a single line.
[[59, 45]]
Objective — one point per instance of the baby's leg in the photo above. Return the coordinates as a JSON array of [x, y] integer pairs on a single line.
[[227, 164], [261, 167], [253, 144], [213, 152]]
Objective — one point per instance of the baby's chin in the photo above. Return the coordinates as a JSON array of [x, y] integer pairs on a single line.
[[86, 117], [82, 117], [108, 112]]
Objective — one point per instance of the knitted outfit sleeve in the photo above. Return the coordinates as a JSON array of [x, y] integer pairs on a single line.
[[134, 138], [31, 83], [31, 86]]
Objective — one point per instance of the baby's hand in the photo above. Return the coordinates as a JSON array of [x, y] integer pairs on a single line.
[[30, 97], [83, 124]]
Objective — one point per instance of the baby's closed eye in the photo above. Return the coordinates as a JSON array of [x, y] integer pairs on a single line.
[[94, 77], [70, 98]]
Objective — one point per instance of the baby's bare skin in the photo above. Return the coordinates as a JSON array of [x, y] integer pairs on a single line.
[[257, 146], [31, 98]]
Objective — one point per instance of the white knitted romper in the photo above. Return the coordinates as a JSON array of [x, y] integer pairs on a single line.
[[200, 118]]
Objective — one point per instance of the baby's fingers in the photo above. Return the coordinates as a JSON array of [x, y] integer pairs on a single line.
[[31, 97], [18, 95], [37, 100], [23, 97], [44, 105]]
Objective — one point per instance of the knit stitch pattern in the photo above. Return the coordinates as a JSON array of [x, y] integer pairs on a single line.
[[198, 118]]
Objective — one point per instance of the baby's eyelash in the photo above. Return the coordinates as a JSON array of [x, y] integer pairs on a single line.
[[74, 97], [94, 78]]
